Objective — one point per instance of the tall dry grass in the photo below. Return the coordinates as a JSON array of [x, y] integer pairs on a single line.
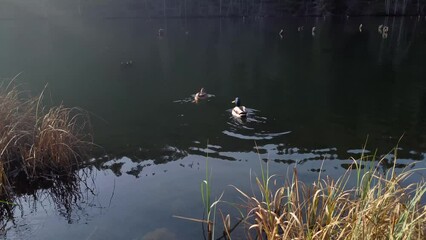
[[35, 139], [39, 146], [60, 140], [380, 206]]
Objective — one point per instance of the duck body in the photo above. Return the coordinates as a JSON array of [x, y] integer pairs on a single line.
[[239, 111], [200, 95]]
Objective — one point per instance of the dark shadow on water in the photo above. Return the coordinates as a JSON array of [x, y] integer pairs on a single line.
[[70, 194]]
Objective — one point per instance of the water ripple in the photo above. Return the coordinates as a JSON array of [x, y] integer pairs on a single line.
[[191, 99], [256, 136], [250, 128]]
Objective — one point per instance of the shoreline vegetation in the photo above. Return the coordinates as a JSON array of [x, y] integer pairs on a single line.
[[380, 205], [38, 143], [212, 8]]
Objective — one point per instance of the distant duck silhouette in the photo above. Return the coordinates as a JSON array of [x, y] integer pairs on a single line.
[[160, 32], [200, 95], [379, 29], [239, 111], [127, 63], [385, 29]]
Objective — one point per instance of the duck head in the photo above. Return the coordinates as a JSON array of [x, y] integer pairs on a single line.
[[237, 102]]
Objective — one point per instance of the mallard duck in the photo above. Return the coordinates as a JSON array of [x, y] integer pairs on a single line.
[[200, 95], [239, 111]]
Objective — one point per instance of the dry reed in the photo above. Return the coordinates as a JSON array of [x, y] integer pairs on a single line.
[[34, 140], [381, 206]]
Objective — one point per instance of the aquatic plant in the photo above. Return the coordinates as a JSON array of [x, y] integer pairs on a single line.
[[205, 196], [35, 140], [209, 211], [60, 139], [380, 206], [40, 148]]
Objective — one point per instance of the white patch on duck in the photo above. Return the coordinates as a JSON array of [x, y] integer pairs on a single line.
[[239, 111], [200, 95]]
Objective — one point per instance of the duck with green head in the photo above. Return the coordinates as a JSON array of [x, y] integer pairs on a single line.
[[239, 111]]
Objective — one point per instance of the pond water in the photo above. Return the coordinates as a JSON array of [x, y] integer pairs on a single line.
[[315, 98]]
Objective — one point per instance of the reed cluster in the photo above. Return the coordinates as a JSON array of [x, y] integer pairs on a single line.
[[380, 206], [35, 140]]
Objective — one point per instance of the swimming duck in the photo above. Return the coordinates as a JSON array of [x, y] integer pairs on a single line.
[[281, 33], [200, 95], [239, 111]]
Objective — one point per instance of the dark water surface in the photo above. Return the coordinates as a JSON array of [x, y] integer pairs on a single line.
[[312, 97]]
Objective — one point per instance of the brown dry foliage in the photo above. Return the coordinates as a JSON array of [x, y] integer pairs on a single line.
[[36, 140], [381, 208]]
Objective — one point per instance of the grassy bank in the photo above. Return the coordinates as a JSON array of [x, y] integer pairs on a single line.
[[378, 205], [36, 141]]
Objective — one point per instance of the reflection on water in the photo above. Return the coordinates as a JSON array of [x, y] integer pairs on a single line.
[[329, 91], [315, 96], [69, 195]]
